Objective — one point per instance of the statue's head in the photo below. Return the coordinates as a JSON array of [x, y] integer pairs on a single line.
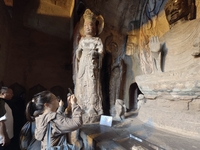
[[89, 23], [176, 10]]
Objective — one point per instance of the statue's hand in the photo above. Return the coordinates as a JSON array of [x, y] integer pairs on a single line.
[[154, 44]]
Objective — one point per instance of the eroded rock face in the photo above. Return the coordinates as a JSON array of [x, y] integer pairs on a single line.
[[51, 17], [183, 84]]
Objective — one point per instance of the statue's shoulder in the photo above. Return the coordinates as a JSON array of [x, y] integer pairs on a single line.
[[181, 30], [98, 39]]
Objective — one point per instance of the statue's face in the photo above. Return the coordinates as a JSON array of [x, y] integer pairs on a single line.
[[89, 27], [175, 10]]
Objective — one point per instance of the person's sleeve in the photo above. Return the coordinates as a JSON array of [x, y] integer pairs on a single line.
[[63, 124], [60, 109]]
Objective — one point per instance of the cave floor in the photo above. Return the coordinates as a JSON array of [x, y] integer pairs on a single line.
[[132, 134]]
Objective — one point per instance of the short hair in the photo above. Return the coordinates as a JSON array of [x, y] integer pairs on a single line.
[[4, 89]]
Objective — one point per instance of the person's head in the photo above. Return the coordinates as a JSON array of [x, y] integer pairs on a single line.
[[42, 101], [89, 23], [176, 10], [6, 93]]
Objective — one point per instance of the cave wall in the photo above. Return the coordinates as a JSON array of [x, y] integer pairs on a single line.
[[36, 47], [4, 37]]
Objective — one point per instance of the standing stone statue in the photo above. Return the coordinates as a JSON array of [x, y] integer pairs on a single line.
[[115, 87], [88, 59], [120, 110]]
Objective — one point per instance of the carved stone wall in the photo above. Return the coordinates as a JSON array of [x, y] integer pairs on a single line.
[[4, 37]]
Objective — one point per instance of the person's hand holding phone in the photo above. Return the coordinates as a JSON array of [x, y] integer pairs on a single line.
[[61, 103], [72, 99]]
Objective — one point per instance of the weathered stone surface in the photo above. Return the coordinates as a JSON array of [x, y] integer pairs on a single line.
[[180, 84], [178, 116], [51, 17]]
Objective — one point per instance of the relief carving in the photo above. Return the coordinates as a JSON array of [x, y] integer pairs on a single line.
[[117, 71], [120, 110], [155, 48], [148, 29]]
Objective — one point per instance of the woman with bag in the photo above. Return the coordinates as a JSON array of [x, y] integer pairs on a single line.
[[51, 124]]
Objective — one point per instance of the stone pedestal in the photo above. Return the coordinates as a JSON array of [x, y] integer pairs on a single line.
[[172, 100]]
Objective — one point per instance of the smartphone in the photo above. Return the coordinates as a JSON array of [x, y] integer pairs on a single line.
[[59, 99], [70, 92]]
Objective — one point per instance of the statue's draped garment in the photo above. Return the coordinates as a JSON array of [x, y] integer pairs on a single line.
[[88, 86]]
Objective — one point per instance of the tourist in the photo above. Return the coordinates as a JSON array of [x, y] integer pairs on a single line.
[[46, 108]]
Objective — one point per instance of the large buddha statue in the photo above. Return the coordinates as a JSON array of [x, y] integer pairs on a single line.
[[171, 97], [178, 47], [178, 43]]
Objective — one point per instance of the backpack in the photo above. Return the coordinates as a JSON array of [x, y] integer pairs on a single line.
[[27, 137]]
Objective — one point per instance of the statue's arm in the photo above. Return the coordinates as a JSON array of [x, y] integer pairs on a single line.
[[100, 51], [79, 51]]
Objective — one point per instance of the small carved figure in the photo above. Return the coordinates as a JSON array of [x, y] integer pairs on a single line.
[[120, 110], [88, 66], [115, 83]]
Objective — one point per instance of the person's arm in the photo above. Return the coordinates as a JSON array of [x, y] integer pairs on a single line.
[[65, 124], [60, 109], [4, 134]]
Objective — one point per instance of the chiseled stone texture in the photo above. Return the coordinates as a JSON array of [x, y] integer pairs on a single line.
[[178, 116], [182, 84], [172, 99]]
